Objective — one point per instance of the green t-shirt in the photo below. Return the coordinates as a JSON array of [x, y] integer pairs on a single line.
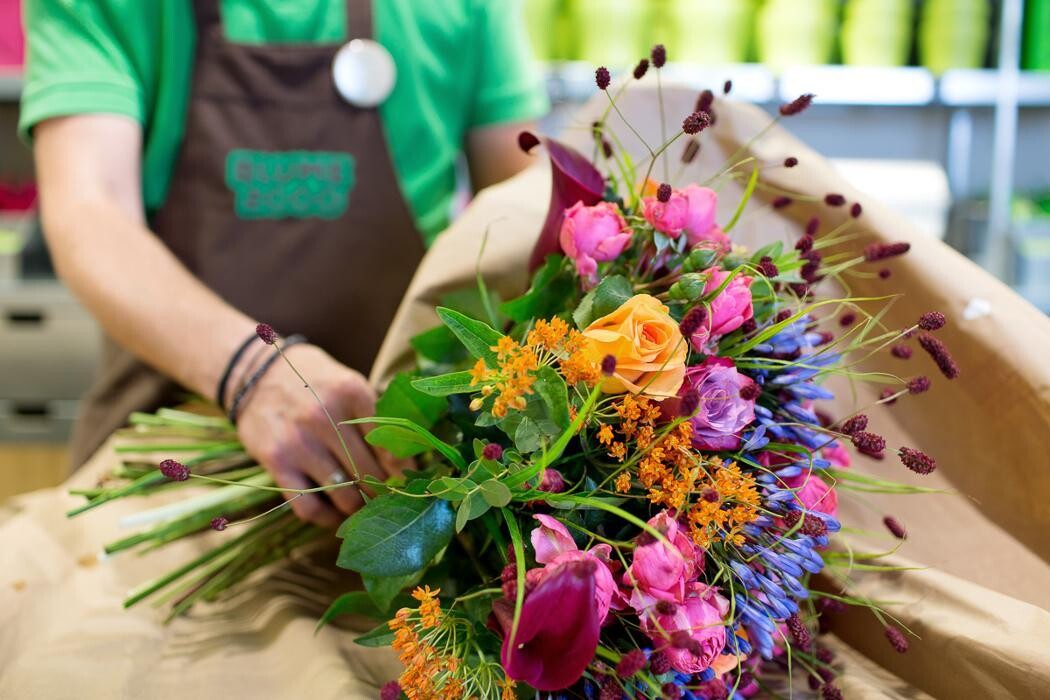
[[461, 64]]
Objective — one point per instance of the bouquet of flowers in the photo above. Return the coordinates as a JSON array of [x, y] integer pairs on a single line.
[[625, 485]]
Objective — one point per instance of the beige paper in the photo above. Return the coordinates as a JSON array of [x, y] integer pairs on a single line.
[[979, 604]]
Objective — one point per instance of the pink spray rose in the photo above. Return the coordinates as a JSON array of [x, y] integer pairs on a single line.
[[814, 494], [669, 218], [692, 634], [660, 571], [590, 235], [554, 546], [728, 310], [700, 226], [722, 412]]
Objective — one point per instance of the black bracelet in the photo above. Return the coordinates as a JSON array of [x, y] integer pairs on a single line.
[[254, 379], [220, 394]]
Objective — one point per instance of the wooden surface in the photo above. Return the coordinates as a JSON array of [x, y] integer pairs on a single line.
[[31, 466]]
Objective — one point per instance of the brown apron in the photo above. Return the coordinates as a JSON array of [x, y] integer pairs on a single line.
[[284, 201]]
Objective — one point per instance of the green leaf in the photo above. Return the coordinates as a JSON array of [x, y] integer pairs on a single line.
[[748, 191], [552, 287], [439, 345], [381, 636], [402, 400], [398, 441], [352, 603], [473, 506], [555, 394], [384, 589], [527, 435], [445, 384], [451, 488], [495, 493], [445, 449], [609, 295], [477, 337], [395, 535]]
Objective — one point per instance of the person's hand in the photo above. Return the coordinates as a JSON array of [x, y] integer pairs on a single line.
[[282, 426]]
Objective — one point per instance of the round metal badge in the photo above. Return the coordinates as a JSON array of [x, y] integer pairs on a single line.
[[364, 73]]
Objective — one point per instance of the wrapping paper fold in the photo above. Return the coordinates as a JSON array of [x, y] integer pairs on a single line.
[[978, 598]]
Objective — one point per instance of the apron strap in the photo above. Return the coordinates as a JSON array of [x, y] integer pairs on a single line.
[[207, 14], [359, 19]]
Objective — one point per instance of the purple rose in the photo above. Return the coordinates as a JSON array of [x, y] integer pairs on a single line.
[[722, 412]]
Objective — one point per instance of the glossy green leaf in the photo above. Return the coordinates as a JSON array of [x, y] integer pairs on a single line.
[[381, 636], [439, 345], [384, 589], [479, 338], [445, 384], [403, 400], [552, 288], [395, 535], [444, 448], [398, 441], [555, 394]]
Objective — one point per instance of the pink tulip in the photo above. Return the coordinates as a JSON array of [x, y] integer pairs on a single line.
[[555, 547]]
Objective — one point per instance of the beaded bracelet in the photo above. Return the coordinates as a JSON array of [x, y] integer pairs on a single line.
[[254, 379], [220, 394]]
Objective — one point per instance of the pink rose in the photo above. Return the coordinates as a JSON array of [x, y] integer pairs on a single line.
[[590, 235], [667, 217], [701, 617], [836, 454], [700, 226], [660, 571], [722, 412], [813, 494], [554, 546], [728, 310]]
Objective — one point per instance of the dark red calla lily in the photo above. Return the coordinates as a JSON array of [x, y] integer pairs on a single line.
[[558, 630], [573, 179]]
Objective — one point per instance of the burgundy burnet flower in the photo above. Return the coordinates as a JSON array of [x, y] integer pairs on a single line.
[[641, 69], [692, 321], [176, 471], [602, 78], [895, 527], [868, 443], [901, 351], [767, 267], [847, 319], [266, 333], [696, 122], [631, 663], [557, 632], [658, 55], [812, 226], [493, 451], [727, 87], [855, 424], [830, 692], [691, 151], [750, 392], [917, 460], [704, 101], [918, 385], [939, 352], [790, 162], [834, 200], [797, 106], [885, 273], [881, 251], [782, 201], [552, 481], [663, 193], [856, 210], [659, 663], [888, 395], [799, 631], [609, 365], [390, 691], [897, 640], [932, 321], [219, 523]]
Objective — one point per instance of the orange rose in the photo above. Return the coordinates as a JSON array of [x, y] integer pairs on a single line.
[[649, 350]]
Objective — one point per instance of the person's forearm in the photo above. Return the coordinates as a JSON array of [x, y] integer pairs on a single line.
[[140, 293]]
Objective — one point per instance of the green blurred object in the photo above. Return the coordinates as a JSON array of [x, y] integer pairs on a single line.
[[877, 32], [550, 25], [1036, 54], [954, 34], [611, 32], [796, 33], [706, 31]]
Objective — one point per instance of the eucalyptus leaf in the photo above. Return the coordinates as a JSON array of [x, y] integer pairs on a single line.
[[495, 493], [395, 535], [473, 506]]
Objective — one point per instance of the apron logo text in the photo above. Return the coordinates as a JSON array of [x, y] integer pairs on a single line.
[[290, 184]]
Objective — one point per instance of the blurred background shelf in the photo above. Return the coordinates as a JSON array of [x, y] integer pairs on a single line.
[[10, 84]]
